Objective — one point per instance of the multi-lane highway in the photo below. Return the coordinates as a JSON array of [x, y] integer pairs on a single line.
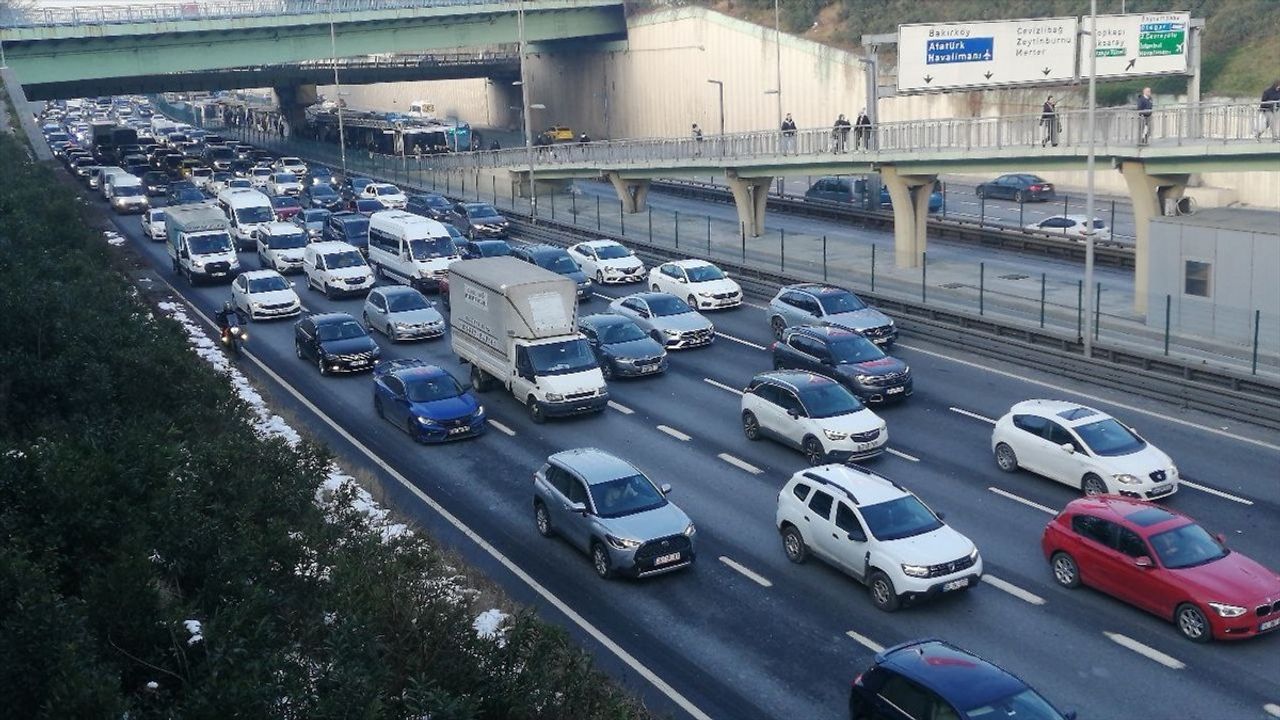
[[746, 634]]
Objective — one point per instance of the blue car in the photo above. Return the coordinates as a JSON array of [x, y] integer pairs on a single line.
[[473, 249], [935, 199], [557, 260], [426, 401]]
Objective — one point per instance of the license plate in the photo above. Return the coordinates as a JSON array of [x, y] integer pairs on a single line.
[[1161, 489], [649, 368], [458, 430], [1269, 625], [358, 363], [894, 390], [667, 559], [217, 274], [956, 585]]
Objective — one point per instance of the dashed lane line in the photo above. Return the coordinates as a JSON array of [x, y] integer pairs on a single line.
[[740, 464], [1014, 590], [1024, 501], [973, 415], [746, 572], [1146, 651], [865, 641], [740, 341], [674, 433], [1271, 709], [502, 428], [900, 454], [722, 386], [621, 408], [1215, 491]]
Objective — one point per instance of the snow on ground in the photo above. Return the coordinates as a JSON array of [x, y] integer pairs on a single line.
[[114, 238], [194, 628], [488, 625]]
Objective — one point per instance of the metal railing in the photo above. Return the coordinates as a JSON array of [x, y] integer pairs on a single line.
[[1172, 126]]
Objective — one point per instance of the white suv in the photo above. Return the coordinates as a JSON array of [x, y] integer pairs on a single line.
[[876, 531], [607, 261], [813, 413]]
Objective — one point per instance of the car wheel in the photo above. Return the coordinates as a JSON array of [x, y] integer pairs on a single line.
[[1017, 196], [479, 380], [599, 277], [1093, 485], [813, 451], [1006, 458], [883, 596], [600, 561], [750, 425], [368, 325], [414, 431], [779, 327], [311, 284], [606, 369], [1065, 571], [654, 287], [536, 413], [793, 545], [1192, 623], [542, 520], [320, 366], [377, 407]]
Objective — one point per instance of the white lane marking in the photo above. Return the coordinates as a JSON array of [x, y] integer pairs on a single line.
[[502, 428], [722, 386], [1133, 408], [865, 641], [573, 616], [1013, 590], [753, 305], [674, 433], [1024, 501], [621, 408], [740, 341], [1215, 491], [602, 296], [1145, 650], [904, 456], [752, 576], [740, 464], [973, 415], [1272, 709]]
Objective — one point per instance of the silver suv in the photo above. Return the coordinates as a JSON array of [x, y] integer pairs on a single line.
[[819, 304], [607, 508]]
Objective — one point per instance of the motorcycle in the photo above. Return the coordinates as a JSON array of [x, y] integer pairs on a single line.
[[233, 336]]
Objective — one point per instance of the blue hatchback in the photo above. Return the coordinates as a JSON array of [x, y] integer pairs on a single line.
[[426, 401]]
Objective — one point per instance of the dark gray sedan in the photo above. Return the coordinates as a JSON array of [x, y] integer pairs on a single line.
[[621, 347]]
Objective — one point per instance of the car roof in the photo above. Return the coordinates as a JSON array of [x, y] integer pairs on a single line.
[[1122, 509], [649, 296], [816, 288], [600, 243], [1060, 411], [389, 290], [690, 263], [962, 678], [331, 246], [601, 319], [330, 318], [420, 372], [797, 380], [279, 226], [593, 465], [535, 250], [255, 274], [857, 484], [828, 332]]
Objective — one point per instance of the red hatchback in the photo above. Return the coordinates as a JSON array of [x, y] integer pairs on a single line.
[[1164, 563]]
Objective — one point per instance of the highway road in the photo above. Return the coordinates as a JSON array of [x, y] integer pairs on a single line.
[[745, 634]]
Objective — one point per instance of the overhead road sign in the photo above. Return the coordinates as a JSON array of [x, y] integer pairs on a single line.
[[965, 55], [1139, 44]]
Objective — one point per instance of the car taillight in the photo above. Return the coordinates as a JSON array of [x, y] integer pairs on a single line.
[[1036, 188]]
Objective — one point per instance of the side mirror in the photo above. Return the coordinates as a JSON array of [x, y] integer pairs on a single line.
[[666, 489], [580, 508], [941, 515], [794, 415], [1143, 562], [1068, 448], [1222, 539], [682, 281], [857, 535]]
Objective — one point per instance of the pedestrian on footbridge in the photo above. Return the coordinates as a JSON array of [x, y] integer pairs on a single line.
[[1049, 119], [840, 132], [862, 131], [1269, 111], [1145, 107], [788, 135]]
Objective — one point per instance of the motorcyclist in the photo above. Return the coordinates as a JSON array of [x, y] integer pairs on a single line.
[[226, 315]]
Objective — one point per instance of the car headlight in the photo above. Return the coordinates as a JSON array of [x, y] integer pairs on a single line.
[[835, 434], [257, 305], [555, 397], [1173, 470], [689, 530], [623, 543], [919, 571], [479, 410], [906, 369], [890, 322], [973, 555], [864, 379], [1127, 479], [671, 333], [426, 420], [401, 326], [706, 294], [1226, 610]]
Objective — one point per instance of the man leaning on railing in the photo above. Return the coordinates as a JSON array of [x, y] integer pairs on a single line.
[[1145, 107]]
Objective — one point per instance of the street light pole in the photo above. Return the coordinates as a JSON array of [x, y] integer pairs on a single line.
[[524, 115], [777, 36], [337, 88], [720, 87], [1088, 202]]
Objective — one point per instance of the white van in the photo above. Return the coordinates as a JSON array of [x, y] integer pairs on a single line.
[[247, 211], [104, 179], [127, 193], [336, 268], [281, 246], [409, 248]]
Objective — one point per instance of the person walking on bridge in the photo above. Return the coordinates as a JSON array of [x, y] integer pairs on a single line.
[[788, 135], [1145, 107], [697, 139], [841, 133], [862, 131], [1049, 119], [1268, 111]]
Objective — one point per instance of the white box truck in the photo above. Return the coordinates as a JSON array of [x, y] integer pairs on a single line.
[[516, 325], [199, 244]]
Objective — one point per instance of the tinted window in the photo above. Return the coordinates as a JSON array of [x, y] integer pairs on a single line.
[[428, 389], [801, 491], [705, 273], [558, 263], [340, 331], [347, 259], [290, 241], [268, 284], [1110, 438], [626, 496], [1130, 544], [854, 349], [666, 305], [1033, 424], [559, 479], [1094, 528], [562, 358], [406, 302], [908, 697], [901, 518], [577, 491], [621, 332], [1058, 435], [612, 252], [829, 399], [846, 520], [1024, 705], [842, 302], [821, 504]]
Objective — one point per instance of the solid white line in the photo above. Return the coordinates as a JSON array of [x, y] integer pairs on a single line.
[[1272, 709], [904, 456], [865, 641], [753, 577], [465, 529], [1145, 650], [973, 415], [1024, 501], [621, 408], [1013, 590], [1214, 491], [1059, 388], [740, 464], [502, 428], [722, 386], [740, 341], [674, 433]]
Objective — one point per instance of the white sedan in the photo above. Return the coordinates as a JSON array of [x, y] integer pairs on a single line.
[[265, 294], [703, 285], [607, 261], [291, 165], [1081, 447], [1073, 226], [387, 194]]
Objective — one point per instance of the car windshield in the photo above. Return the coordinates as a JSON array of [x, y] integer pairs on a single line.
[[829, 399], [290, 241], [1024, 705], [842, 302], [667, 305], [314, 216], [187, 195], [494, 249], [704, 273], [428, 389], [1109, 438], [273, 283], [406, 302], [128, 190], [562, 358], [902, 518], [356, 227], [437, 201], [284, 202], [261, 172], [620, 332], [347, 259], [369, 205], [855, 349], [325, 191], [612, 252], [285, 177], [477, 211], [157, 216], [209, 244], [255, 214], [345, 330], [562, 264], [1187, 546], [386, 190], [626, 496], [425, 248]]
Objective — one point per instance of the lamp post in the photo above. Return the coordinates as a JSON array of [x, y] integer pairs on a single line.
[[720, 88], [777, 57], [1088, 202], [337, 88], [523, 82]]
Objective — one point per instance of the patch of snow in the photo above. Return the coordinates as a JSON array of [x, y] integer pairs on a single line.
[[488, 625], [153, 685], [16, 454], [193, 627], [114, 238]]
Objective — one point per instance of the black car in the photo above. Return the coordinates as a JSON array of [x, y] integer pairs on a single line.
[[847, 357], [621, 347], [431, 205], [352, 187], [348, 227], [336, 342], [1019, 187], [318, 175], [476, 220], [557, 260], [474, 249], [183, 192], [934, 679], [156, 182], [321, 196]]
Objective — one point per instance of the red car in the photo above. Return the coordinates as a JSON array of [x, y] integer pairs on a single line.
[[1164, 563], [285, 207]]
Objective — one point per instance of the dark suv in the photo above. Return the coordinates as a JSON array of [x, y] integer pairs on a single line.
[[845, 356], [348, 227], [477, 220], [431, 205], [934, 679], [336, 342], [557, 260]]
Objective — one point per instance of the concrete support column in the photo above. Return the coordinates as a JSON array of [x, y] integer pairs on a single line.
[[634, 194], [294, 101], [1148, 194], [910, 196], [751, 195]]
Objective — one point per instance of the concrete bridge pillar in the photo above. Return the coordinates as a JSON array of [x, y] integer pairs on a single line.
[[1148, 194], [294, 101], [634, 194], [751, 195], [910, 196]]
